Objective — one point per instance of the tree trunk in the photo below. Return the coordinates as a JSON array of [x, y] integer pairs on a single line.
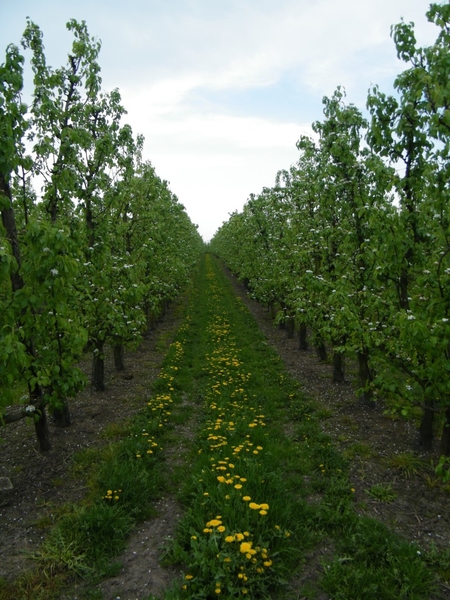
[[302, 337], [338, 367], [273, 310], [118, 357], [98, 368], [61, 415], [290, 328], [445, 439], [9, 223], [41, 427], [426, 428], [364, 377], [322, 352], [151, 318]]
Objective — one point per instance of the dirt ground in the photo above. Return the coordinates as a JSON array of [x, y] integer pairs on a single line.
[[41, 481]]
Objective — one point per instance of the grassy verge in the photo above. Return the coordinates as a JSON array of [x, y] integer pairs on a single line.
[[265, 487]]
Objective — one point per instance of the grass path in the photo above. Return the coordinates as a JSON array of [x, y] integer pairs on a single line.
[[264, 487], [267, 510]]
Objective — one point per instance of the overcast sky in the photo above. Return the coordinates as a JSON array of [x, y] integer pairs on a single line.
[[222, 90]]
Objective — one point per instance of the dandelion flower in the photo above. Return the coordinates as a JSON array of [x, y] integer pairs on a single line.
[[245, 547], [213, 523]]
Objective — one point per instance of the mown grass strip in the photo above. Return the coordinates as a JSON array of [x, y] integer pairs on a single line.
[[257, 499]]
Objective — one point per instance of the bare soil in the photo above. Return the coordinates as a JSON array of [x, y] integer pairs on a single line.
[[42, 482]]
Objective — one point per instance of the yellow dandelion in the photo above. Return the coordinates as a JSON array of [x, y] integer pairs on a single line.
[[245, 547], [213, 523], [229, 538]]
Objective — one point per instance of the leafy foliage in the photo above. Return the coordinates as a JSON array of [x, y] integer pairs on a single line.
[[354, 241]]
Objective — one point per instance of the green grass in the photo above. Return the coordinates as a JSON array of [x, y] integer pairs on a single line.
[[261, 484], [407, 464], [302, 478], [382, 492]]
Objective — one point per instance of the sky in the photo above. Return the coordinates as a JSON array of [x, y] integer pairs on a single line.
[[222, 90]]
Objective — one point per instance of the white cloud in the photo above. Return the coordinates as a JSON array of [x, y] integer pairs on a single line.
[[176, 63], [213, 161]]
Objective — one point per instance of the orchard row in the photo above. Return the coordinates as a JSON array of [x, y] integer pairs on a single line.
[[353, 241], [97, 254]]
